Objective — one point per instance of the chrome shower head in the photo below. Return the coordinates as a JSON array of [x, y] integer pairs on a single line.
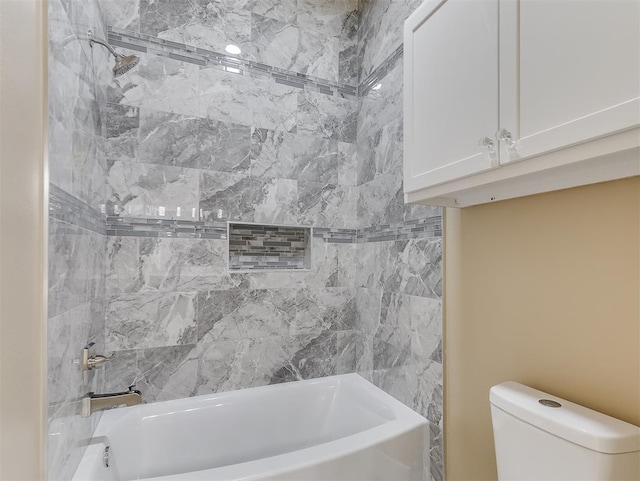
[[123, 63]]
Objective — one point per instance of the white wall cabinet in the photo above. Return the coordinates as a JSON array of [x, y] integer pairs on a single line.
[[505, 98]]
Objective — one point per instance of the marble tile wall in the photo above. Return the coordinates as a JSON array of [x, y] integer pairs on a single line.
[[398, 280], [77, 269], [304, 36], [193, 142]]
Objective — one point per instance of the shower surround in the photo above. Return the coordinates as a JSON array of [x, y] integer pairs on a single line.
[[303, 128]]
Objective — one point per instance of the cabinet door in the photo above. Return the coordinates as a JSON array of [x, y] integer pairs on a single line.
[[569, 72], [451, 90]]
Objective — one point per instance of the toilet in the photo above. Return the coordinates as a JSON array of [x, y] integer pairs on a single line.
[[540, 437]]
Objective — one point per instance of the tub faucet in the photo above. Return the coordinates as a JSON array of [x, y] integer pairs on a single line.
[[97, 402]]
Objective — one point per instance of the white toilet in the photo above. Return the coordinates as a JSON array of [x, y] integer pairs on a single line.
[[540, 437]]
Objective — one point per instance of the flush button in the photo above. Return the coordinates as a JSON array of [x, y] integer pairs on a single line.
[[549, 403]]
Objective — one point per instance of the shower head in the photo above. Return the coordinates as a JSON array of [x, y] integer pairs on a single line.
[[123, 63]]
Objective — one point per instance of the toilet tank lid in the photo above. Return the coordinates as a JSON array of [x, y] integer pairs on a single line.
[[570, 421]]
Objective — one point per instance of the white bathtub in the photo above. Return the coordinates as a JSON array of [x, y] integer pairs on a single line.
[[335, 428]]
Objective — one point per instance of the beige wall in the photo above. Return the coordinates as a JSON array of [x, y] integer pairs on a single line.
[[22, 238], [543, 290]]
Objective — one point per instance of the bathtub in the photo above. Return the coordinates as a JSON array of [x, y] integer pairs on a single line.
[[334, 428]]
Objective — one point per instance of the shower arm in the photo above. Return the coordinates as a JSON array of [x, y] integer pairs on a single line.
[[93, 40]]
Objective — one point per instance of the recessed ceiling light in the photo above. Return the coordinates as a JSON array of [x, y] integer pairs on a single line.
[[376, 87], [233, 49]]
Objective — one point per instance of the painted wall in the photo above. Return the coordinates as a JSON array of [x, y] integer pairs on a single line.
[[23, 77], [78, 76], [543, 290]]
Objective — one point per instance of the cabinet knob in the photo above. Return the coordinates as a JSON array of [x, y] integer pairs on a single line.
[[503, 135], [490, 145]]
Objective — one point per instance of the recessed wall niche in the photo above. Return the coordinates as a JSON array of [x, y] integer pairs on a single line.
[[269, 247]]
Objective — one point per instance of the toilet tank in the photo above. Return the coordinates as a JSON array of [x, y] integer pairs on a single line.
[[545, 438]]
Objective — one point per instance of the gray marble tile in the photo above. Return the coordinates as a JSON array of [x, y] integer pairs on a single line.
[[144, 320], [327, 309], [412, 267], [347, 264], [418, 268], [318, 55], [315, 357], [230, 365], [122, 125], [245, 314], [327, 205], [249, 199], [381, 31], [396, 314], [348, 65], [279, 154], [347, 162], [168, 264], [381, 201], [123, 265], [279, 9], [272, 151], [400, 381], [346, 357], [188, 141], [67, 334], [369, 304], [76, 130], [76, 267], [381, 106], [166, 373], [325, 116], [158, 83], [208, 24], [364, 355], [145, 190], [122, 14], [329, 17], [122, 371], [274, 42], [381, 153], [246, 100]]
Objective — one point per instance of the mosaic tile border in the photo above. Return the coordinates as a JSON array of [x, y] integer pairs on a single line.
[[410, 229], [67, 208], [183, 229], [203, 57]]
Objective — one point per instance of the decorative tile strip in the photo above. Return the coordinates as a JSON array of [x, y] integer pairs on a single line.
[[199, 56], [187, 229], [412, 229], [379, 73], [67, 208], [336, 236]]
